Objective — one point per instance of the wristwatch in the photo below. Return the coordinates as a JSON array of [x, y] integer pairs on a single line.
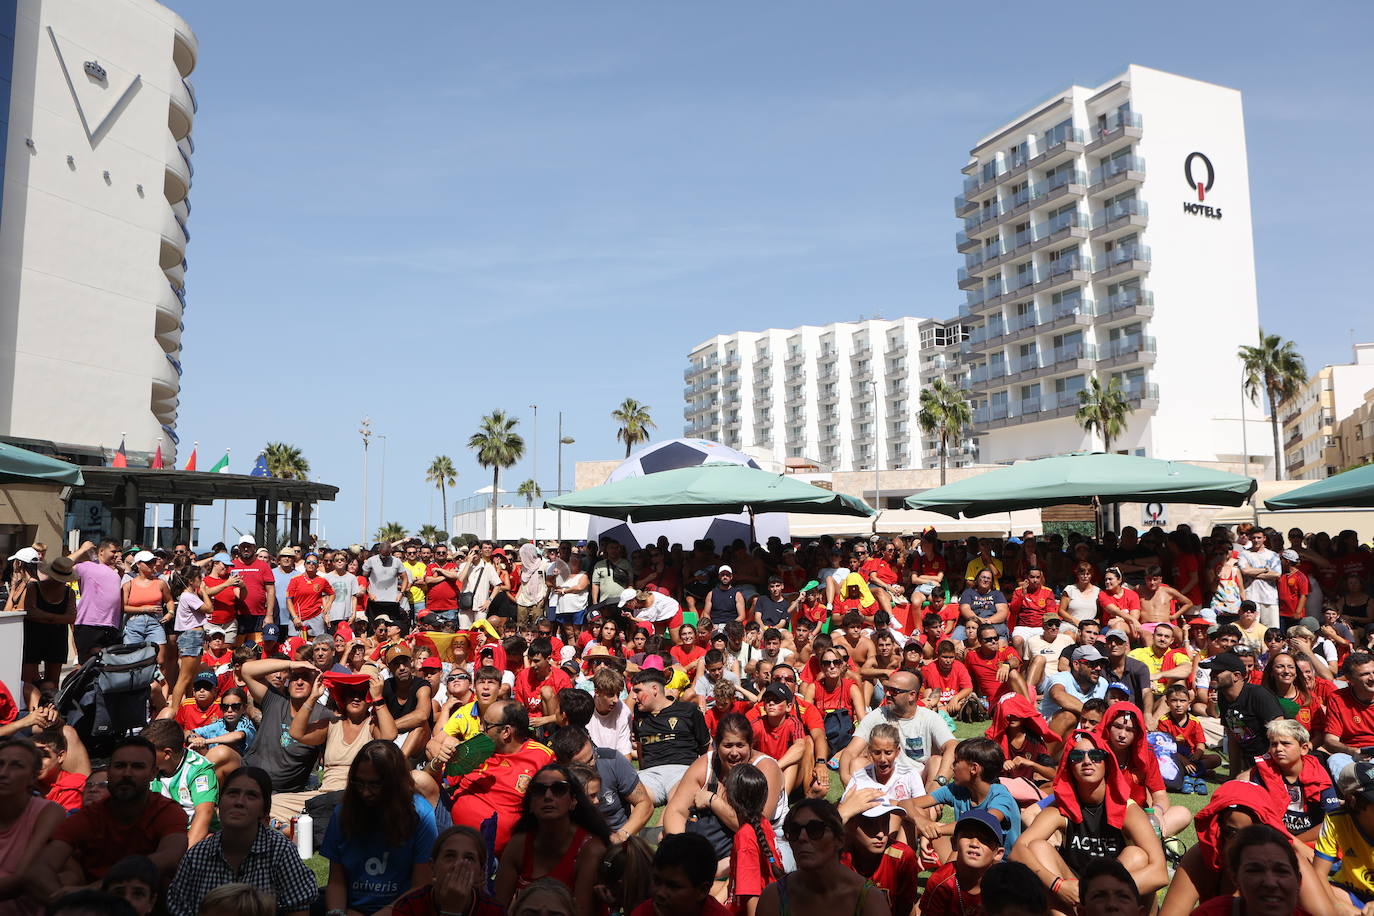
[[939, 780]]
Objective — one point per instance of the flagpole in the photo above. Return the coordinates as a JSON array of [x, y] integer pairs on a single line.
[[191, 524], [224, 523], [157, 507]]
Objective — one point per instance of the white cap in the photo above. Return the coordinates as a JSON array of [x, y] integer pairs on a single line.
[[248, 539], [723, 568], [26, 555], [627, 596], [144, 556], [567, 654]]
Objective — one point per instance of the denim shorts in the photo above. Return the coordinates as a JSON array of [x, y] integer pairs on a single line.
[[190, 643], [144, 628]]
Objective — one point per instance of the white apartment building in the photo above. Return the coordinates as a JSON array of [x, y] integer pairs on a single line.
[[1309, 419], [841, 396], [93, 214], [1107, 232]]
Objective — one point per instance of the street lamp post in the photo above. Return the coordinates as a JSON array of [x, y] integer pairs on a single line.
[[534, 468], [877, 457], [365, 430], [381, 498], [562, 441]]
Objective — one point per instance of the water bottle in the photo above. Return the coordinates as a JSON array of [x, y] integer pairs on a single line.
[[305, 836], [1149, 813]]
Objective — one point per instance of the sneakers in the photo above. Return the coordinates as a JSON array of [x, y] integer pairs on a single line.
[[1194, 785]]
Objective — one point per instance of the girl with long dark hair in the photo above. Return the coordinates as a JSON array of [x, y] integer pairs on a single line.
[[381, 836], [754, 859], [560, 835]]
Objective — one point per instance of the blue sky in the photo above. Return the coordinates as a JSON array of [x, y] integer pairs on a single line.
[[424, 211]]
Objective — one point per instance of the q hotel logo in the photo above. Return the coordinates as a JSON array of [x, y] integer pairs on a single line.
[[1198, 172]]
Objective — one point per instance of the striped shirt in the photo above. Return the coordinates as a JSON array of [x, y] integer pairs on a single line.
[[192, 784], [272, 865]]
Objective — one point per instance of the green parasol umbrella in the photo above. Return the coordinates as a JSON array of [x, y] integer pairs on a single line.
[[1085, 479], [715, 488], [1349, 489]]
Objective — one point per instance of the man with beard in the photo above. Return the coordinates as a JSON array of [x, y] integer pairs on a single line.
[[133, 821]]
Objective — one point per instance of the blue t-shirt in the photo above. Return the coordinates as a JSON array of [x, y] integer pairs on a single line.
[[1065, 679], [282, 580], [998, 797], [378, 873], [218, 727], [723, 605]]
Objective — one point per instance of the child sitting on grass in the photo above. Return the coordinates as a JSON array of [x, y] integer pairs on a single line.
[[955, 888], [977, 785], [1192, 755]]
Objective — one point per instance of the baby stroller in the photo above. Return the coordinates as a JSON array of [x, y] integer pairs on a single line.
[[107, 697]]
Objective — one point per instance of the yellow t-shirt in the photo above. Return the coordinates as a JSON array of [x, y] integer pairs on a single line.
[[679, 681], [417, 572], [465, 723], [976, 565], [1174, 657], [1341, 839]]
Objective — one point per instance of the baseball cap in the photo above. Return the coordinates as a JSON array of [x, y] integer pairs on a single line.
[[271, 632], [431, 663], [396, 652], [383, 618], [1290, 555], [1311, 623], [248, 539], [213, 630], [724, 569], [1198, 622], [1117, 685], [1051, 618], [29, 555], [1112, 632], [1225, 661], [286, 552], [1087, 654], [777, 692], [627, 596], [206, 677], [1356, 779], [143, 556], [980, 819], [223, 558]]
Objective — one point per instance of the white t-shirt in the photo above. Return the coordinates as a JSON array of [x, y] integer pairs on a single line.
[[922, 735], [613, 729], [1261, 591], [905, 782], [1082, 605], [1036, 645], [662, 608], [346, 589]]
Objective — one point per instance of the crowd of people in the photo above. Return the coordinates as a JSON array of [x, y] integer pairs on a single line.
[[571, 728]]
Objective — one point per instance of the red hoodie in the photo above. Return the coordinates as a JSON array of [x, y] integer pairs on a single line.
[[1140, 766], [1065, 787]]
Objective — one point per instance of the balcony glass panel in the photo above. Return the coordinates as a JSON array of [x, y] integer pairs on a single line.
[[1118, 210], [1117, 166], [1123, 253]]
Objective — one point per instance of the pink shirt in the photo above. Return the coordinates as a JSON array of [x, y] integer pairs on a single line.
[[101, 603]]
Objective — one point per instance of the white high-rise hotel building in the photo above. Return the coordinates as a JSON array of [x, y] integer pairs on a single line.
[[96, 113], [1106, 232]]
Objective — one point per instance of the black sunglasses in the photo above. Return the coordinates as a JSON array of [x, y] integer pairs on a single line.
[[558, 789], [1096, 755], [814, 830]]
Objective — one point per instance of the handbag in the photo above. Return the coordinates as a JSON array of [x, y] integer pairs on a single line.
[[465, 598], [708, 825], [839, 728]]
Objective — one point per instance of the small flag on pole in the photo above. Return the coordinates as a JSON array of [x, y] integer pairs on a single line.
[[221, 466], [191, 464], [157, 459], [120, 460], [260, 467]]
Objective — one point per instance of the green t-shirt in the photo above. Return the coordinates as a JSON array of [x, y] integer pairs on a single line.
[[193, 783]]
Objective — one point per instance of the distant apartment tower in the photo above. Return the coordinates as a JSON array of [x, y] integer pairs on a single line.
[[843, 396], [1107, 233], [1310, 434], [96, 166]]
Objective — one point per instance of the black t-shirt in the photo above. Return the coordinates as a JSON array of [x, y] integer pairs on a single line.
[[722, 602], [285, 759], [678, 735], [1248, 716], [774, 612], [1135, 674]]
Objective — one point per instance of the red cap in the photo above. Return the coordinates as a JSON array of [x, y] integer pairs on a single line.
[[431, 663]]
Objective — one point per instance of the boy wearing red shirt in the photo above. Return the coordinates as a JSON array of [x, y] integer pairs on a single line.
[[305, 598], [56, 783], [779, 733], [986, 663], [538, 683], [1294, 587], [945, 682], [442, 583], [954, 889]]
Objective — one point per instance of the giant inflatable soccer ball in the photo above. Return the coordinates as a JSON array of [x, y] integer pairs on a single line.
[[721, 529]]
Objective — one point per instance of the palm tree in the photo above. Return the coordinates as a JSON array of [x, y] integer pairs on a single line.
[[286, 461], [442, 475], [1103, 409], [391, 531], [635, 423], [498, 446], [530, 490], [432, 534], [944, 412], [1277, 368]]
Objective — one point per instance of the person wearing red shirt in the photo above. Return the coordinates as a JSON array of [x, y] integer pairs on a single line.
[[945, 682], [496, 789], [687, 650], [1350, 714], [879, 572], [202, 707], [442, 583], [1294, 587], [538, 683], [225, 589], [871, 850], [259, 593], [779, 733], [813, 724], [1118, 606], [305, 598], [928, 566], [1028, 607], [994, 669], [218, 656], [56, 783], [954, 889]]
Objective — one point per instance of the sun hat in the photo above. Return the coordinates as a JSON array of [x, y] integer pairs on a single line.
[[60, 569]]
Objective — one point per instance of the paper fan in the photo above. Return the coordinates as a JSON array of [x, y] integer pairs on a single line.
[[470, 755]]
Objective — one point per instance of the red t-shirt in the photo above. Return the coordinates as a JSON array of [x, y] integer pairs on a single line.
[[1293, 590], [778, 740], [8, 711], [308, 592], [99, 841], [1128, 600], [256, 577], [497, 787], [1143, 785], [687, 657], [877, 566], [1189, 736], [442, 596], [811, 717], [983, 672], [838, 698], [527, 690], [714, 715], [223, 603], [1349, 720], [65, 790], [957, 680], [1028, 610], [896, 873], [944, 897], [1187, 565], [191, 716], [750, 867], [222, 665]]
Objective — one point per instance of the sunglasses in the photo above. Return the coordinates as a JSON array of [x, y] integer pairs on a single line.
[[558, 789], [832, 663], [230, 707], [1096, 755], [895, 691], [814, 830]]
